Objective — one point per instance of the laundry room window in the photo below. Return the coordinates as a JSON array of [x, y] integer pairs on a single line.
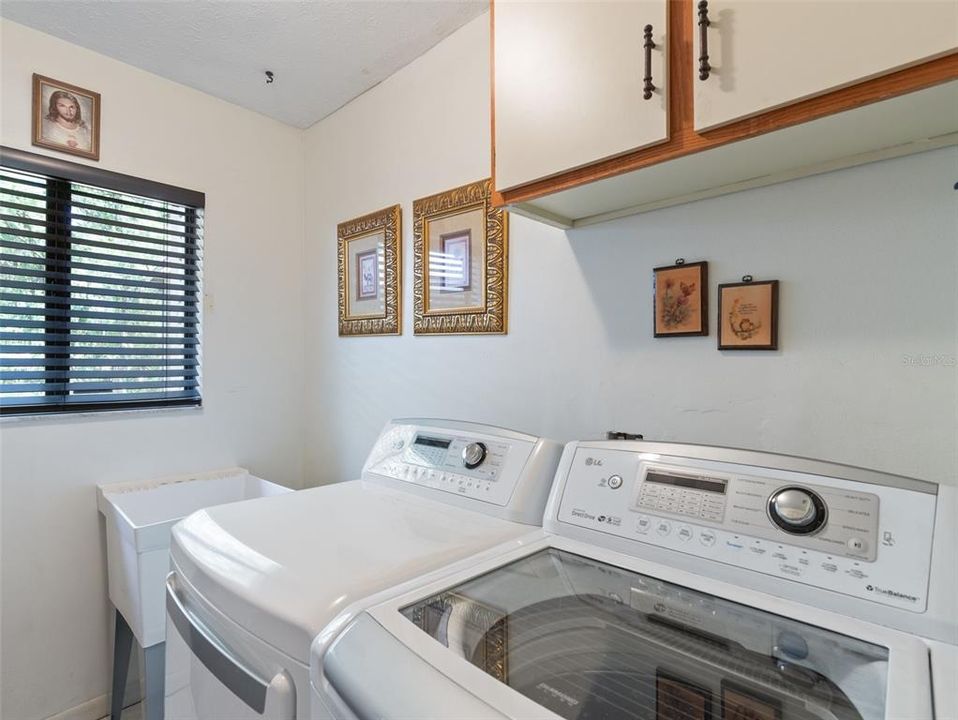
[[99, 289]]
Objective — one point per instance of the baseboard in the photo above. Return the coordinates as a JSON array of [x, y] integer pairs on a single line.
[[93, 709], [99, 707]]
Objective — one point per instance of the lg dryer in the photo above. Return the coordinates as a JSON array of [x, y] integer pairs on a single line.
[[252, 583], [678, 581]]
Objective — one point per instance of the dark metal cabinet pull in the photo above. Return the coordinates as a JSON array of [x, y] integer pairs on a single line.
[[704, 22], [649, 47]]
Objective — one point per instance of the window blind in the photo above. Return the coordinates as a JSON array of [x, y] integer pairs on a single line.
[[99, 289]]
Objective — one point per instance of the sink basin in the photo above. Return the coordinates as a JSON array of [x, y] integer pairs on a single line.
[[139, 516]]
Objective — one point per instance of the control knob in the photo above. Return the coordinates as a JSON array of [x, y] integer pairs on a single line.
[[473, 455], [797, 510]]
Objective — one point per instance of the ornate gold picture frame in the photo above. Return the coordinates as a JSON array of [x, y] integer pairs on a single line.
[[461, 262], [369, 252]]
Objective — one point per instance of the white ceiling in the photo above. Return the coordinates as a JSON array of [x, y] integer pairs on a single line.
[[323, 53]]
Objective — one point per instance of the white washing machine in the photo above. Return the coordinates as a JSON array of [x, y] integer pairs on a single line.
[[677, 582], [252, 583]]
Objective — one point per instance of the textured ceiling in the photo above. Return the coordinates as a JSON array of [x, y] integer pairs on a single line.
[[322, 53]]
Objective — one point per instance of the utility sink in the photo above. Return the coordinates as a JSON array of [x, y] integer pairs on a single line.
[[139, 516]]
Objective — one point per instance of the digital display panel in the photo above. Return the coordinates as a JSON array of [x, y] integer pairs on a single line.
[[432, 442], [716, 486]]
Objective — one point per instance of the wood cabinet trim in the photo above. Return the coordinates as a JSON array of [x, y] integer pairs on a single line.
[[684, 140], [496, 197]]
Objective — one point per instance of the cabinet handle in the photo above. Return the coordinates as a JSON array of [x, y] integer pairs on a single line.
[[649, 47], [704, 67]]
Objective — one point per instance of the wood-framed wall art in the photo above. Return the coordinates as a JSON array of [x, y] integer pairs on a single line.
[[66, 118], [680, 299], [748, 315], [461, 262], [369, 251], [677, 697]]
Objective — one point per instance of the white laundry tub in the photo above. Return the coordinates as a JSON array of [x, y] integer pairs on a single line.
[[139, 516]]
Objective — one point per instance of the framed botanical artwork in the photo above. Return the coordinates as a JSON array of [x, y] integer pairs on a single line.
[[66, 117], [681, 299], [367, 274], [748, 315], [369, 254], [461, 260], [455, 251]]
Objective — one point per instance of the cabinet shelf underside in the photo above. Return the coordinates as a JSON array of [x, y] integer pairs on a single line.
[[915, 122]]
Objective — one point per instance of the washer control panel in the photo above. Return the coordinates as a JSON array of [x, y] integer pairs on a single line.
[[477, 466], [870, 540], [840, 522], [672, 491]]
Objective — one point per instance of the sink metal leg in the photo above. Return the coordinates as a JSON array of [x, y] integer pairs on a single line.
[[154, 671], [122, 645]]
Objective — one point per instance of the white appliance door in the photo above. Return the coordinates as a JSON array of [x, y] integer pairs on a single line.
[[210, 677]]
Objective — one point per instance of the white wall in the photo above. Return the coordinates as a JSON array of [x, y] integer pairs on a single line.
[[55, 614], [867, 258]]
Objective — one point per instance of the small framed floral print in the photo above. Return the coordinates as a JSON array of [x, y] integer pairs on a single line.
[[748, 315], [681, 300]]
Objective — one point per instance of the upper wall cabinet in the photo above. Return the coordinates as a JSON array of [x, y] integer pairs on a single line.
[[769, 53], [576, 82], [602, 109]]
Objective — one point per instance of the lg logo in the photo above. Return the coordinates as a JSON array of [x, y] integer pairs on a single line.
[[592, 461]]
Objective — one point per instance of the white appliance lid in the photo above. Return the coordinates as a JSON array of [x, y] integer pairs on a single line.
[[908, 690], [283, 567], [584, 638]]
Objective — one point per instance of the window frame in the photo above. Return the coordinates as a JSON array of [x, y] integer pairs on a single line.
[[61, 176]]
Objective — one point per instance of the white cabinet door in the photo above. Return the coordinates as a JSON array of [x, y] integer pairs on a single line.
[[569, 84], [769, 53]]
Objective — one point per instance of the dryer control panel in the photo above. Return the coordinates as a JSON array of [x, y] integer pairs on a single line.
[[843, 529], [476, 465]]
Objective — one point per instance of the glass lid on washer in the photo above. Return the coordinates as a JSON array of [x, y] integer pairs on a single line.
[[591, 641]]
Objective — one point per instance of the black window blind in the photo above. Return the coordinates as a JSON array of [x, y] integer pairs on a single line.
[[99, 289]]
